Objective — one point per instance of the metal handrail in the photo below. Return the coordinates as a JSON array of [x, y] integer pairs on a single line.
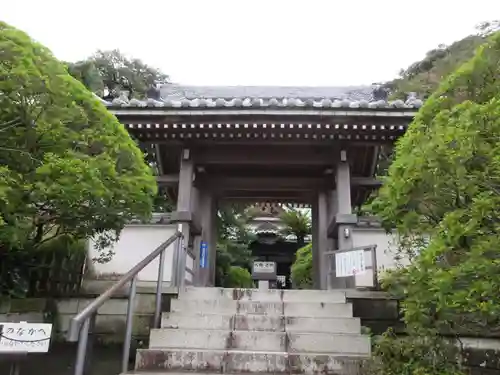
[[80, 324]]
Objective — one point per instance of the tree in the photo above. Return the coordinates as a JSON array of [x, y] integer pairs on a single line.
[[232, 242], [297, 223], [68, 166], [107, 73], [301, 272], [239, 277], [425, 76], [445, 184]]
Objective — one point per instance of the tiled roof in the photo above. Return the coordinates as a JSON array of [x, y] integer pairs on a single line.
[[248, 97], [265, 92], [267, 227]]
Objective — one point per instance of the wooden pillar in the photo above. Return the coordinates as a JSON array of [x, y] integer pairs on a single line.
[[343, 180], [322, 237], [316, 255], [212, 241], [186, 176], [332, 212], [208, 237], [344, 206], [196, 210], [346, 221]]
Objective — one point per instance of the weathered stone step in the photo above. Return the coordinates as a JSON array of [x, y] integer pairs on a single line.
[[296, 309], [231, 361], [257, 322], [296, 342], [276, 295]]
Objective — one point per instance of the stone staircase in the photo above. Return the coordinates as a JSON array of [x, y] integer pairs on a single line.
[[215, 330]]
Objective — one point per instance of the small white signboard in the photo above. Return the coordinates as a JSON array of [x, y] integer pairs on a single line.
[[350, 263], [264, 267], [25, 337]]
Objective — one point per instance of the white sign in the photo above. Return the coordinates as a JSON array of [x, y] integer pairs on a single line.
[[264, 267], [350, 263], [25, 337]]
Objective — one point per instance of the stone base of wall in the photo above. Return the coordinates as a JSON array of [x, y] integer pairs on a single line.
[[378, 313], [376, 310], [61, 360], [110, 320]]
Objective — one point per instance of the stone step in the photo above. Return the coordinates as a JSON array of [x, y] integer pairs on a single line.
[[260, 323], [276, 295], [296, 309], [295, 342], [232, 361]]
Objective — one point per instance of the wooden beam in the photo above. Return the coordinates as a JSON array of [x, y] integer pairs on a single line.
[[365, 181], [258, 195], [168, 180], [265, 183], [278, 114], [253, 184], [275, 155]]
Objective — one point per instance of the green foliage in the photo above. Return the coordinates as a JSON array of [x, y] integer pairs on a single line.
[[233, 242], [442, 195], [301, 272], [53, 269], [113, 72], [424, 76], [238, 277], [297, 223], [68, 166], [422, 355]]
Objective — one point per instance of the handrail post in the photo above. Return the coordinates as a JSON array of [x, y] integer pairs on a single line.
[[78, 330], [128, 324], [182, 263], [175, 263], [159, 288], [81, 352]]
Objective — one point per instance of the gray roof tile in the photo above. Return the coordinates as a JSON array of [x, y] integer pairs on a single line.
[[177, 96]]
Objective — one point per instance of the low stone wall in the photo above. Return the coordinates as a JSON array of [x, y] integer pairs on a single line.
[[110, 320], [378, 313]]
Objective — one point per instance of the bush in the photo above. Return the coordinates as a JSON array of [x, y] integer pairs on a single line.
[[238, 277], [445, 184], [301, 272], [68, 166], [54, 269], [410, 355]]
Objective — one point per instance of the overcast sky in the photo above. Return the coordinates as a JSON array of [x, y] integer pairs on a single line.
[[258, 42]]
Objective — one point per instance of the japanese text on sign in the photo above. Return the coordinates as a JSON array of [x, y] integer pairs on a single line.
[[263, 267], [25, 337], [203, 255], [350, 263]]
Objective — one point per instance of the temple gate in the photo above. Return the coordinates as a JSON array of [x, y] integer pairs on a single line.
[[315, 147]]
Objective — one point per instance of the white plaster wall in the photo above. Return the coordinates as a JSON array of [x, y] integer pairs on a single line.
[[385, 253], [135, 243], [387, 246]]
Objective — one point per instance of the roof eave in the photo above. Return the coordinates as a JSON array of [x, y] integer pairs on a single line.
[[361, 112]]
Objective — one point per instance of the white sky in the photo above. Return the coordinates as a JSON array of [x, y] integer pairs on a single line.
[[258, 42]]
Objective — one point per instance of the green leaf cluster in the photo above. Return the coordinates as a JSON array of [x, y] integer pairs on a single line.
[[107, 73], [425, 76], [297, 223], [233, 252], [67, 165], [415, 355], [442, 196], [301, 272], [238, 277]]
